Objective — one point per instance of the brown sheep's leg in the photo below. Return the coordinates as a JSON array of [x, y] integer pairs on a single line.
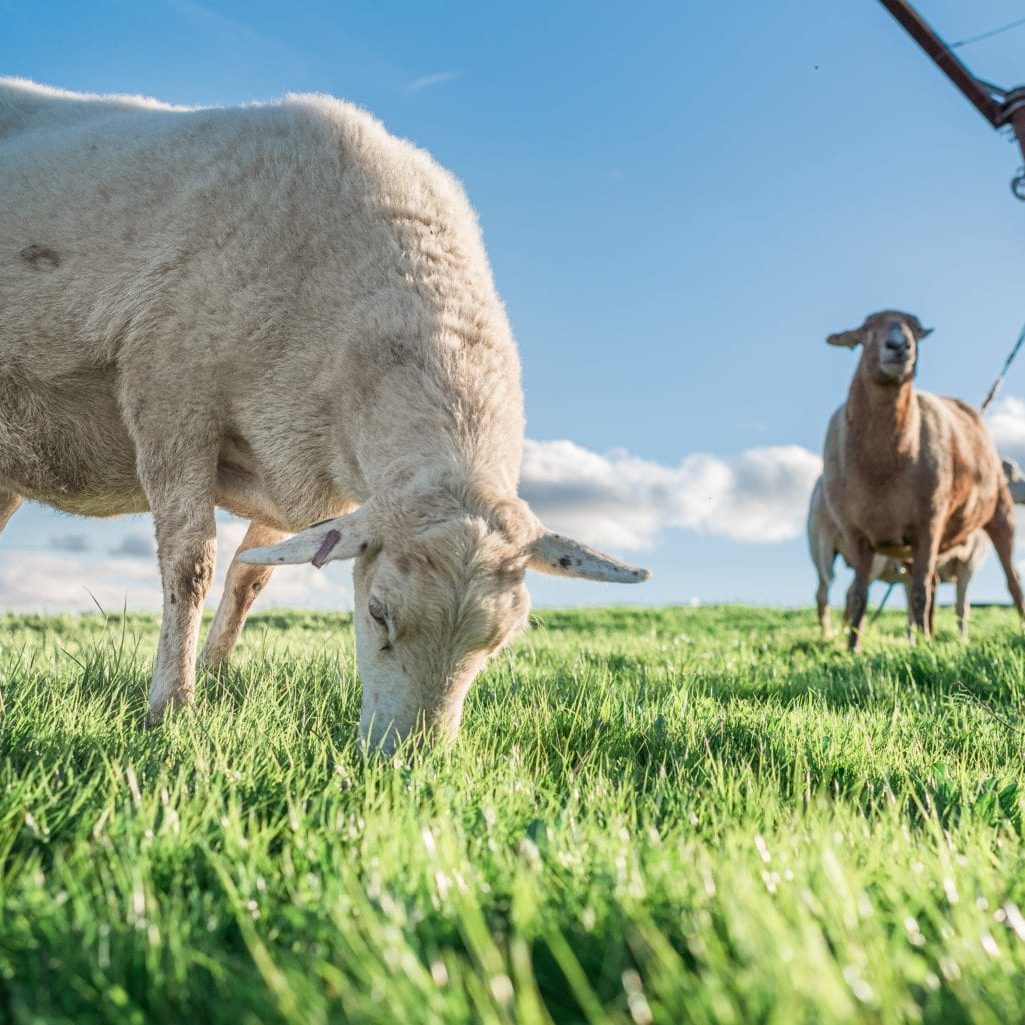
[[1001, 533], [923, 580], [857, 595], [243, 584]]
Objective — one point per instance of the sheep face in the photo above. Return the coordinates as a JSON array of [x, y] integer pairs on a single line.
[[438, 589], [429, 613], [889, 341]]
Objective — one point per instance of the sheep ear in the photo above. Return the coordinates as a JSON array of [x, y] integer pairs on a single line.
[[917, 330], [563, 557], [344, 537], [848, 339]]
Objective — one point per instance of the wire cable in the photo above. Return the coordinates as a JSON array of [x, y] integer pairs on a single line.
[[968, 40]]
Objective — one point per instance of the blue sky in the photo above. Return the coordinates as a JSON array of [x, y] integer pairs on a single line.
[[679, 200]]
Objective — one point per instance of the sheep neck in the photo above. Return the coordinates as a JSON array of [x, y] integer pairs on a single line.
[[882, 424]]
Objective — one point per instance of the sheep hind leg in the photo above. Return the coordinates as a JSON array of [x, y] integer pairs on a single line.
[[1001, 532], [9, 503], [243, 584], [822, 604], [963, 607], [909, 629]]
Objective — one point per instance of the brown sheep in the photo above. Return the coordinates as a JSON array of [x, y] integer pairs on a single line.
[[957, 566], [909, 474]]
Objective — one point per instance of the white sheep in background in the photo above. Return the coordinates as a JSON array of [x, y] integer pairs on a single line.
[[284, 311]]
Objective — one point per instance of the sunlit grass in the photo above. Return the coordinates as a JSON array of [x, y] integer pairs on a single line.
[[671, 815]]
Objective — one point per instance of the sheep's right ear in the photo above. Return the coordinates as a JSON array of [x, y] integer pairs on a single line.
[[848, 339], [564, 557], [344, 537]]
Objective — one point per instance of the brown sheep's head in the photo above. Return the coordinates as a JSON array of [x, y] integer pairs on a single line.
[[889, 340]]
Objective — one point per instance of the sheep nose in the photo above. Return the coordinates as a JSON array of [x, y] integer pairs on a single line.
[[899, 347]]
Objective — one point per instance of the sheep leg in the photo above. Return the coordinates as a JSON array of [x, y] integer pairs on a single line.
[[824, 565], [1001, 532], [964, 577], [923, 580], [9, 503], [822, 603], [243, 584], [909, 630], [861, 555], [178, 474]]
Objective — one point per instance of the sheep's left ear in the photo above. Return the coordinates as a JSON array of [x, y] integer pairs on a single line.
[[563, 557]]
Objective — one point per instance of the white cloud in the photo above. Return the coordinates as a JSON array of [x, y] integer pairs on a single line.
[[426, 81], [621, 501], [135, 546], [1007, 425], [46, 582], [70, 542]]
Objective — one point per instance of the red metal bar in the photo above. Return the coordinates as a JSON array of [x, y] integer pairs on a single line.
[[943, 57], [1013, 113]]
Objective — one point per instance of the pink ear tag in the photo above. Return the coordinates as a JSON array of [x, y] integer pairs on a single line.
[[331, 538]]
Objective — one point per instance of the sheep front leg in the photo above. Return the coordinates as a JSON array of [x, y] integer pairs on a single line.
[[862, 556], [186, 547], [923, 580], [243, 584], [178, 474]]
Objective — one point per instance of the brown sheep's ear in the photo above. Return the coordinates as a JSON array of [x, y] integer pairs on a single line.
[[848, 339], [917, 330]]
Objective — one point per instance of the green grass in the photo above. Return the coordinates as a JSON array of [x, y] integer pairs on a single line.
[[671, 815]]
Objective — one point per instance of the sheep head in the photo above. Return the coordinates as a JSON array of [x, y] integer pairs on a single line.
[[889, 341], [439, 588]]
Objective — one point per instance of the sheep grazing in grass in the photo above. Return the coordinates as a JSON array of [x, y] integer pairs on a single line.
[[825, 540], [908, 474], [286, 312]]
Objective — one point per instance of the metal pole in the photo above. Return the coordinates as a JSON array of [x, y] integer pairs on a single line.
[[998, 106], [943, 57]]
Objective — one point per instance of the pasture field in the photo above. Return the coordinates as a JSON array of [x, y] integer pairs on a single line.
[[668, 815]]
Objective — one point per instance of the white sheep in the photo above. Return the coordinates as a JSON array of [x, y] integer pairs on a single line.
[[286, 312]]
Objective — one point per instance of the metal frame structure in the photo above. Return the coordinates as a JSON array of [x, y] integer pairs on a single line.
[[1000, 107]]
